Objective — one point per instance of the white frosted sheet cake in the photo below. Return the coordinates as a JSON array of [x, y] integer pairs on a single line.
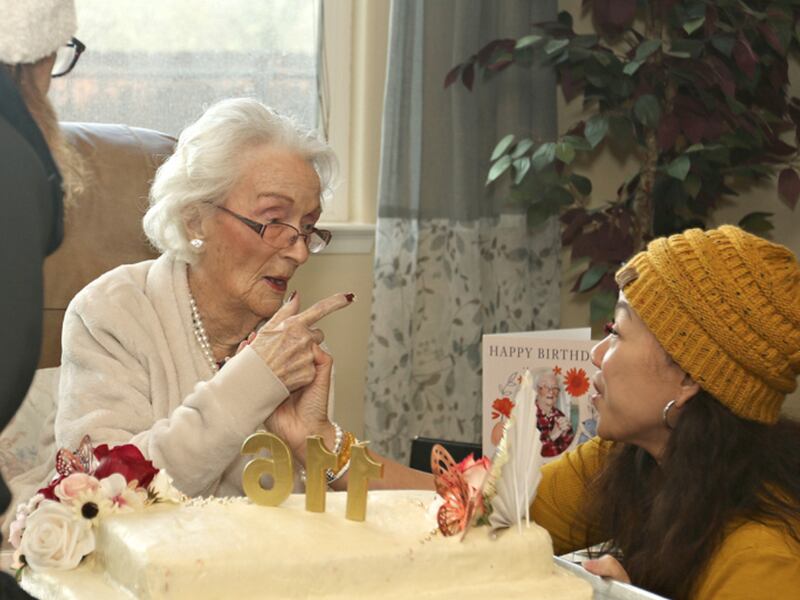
[[234, 549]]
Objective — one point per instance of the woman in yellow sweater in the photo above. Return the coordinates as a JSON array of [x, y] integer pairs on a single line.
[[697, 481]]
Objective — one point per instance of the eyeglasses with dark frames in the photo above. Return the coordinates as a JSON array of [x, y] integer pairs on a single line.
[[282, 235], [67, 57]]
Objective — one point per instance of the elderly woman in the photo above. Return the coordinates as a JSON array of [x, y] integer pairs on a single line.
[[555, 430], [698, 485], [187, 355]]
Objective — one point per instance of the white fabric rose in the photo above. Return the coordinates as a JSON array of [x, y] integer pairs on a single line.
[[54, 538]]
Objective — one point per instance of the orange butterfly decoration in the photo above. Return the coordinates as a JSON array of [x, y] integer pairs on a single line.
[[80, 461], [455, 515]]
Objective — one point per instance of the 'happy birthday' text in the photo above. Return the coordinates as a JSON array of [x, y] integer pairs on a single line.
[[539, 353]]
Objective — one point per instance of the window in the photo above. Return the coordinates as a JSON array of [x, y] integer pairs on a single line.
[[159, 64]]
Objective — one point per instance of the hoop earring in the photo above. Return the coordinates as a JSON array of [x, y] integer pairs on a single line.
[[665, 414], [197, 243]]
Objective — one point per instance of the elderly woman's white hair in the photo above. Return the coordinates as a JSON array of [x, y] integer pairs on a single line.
[[563, 403], [206, 165]]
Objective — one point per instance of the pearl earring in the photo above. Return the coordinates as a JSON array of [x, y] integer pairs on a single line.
[[197, 243]]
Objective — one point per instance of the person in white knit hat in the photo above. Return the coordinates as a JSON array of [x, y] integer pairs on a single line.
[[38, 172]]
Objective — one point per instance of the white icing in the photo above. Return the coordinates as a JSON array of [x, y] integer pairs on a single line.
[[230, 548]]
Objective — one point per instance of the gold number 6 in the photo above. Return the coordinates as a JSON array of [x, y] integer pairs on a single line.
[[279, 466]]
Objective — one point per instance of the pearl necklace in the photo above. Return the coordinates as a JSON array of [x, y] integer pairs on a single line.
[[200, 334]]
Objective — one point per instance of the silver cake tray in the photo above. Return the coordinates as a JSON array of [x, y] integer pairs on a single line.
[[606, 589]]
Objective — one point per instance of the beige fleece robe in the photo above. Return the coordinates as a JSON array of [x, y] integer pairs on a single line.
[[133, 372]]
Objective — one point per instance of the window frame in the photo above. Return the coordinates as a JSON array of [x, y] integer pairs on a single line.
[[334, 79]]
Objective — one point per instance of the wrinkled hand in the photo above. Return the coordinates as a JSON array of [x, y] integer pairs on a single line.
[[286, 341], [245, 342], [560, 427], [305, 411], [607, 566]]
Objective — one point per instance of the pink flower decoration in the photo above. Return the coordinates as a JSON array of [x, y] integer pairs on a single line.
[[15, 531], [474, 471], [74, 485]]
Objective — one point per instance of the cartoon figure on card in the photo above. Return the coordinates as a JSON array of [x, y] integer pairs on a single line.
[[555, 430]]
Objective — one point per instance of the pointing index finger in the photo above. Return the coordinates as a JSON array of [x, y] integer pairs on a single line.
[[324, 307]]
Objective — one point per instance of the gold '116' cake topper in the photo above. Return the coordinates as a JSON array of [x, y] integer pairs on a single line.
[[319, 460]]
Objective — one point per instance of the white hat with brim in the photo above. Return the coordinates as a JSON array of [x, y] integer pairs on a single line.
[[33, 29]]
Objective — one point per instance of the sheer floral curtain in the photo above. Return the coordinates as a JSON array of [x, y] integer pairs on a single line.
[[453, 260]]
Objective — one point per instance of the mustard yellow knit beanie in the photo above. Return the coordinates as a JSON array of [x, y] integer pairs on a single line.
[[725, 305]]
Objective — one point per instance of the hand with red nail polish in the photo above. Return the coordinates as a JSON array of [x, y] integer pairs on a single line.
[[286, 342]]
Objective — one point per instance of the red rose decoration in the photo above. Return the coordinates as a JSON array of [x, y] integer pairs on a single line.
[[49, 492], [127, 460]]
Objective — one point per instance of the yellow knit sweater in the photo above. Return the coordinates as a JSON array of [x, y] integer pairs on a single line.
[[754, 561]]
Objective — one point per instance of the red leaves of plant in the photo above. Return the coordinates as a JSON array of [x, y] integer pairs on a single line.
[[722, 75], [452, 76], [494, 56], [603, 237], [468, 76], [691, 118], [712, 16], [501, 64], [667, 132], [500, 46], [569, 86], [574, 219], [777, 146], [771, 36], [794, 114], [778, 74], [614, 16], [789, 187], [744, 56], [693, 127]]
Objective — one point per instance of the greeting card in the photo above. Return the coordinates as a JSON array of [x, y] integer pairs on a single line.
[[561, 367]]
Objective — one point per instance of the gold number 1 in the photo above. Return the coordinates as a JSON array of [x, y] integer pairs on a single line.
[[318, 460], [362, 468]]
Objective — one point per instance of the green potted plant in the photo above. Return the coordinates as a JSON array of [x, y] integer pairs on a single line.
[[695, 90]]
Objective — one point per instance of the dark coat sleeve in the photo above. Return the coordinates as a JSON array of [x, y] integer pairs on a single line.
[[9, 589], [26, 219]]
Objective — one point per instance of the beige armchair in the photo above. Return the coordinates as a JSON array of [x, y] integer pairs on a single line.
[[104, 229]]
